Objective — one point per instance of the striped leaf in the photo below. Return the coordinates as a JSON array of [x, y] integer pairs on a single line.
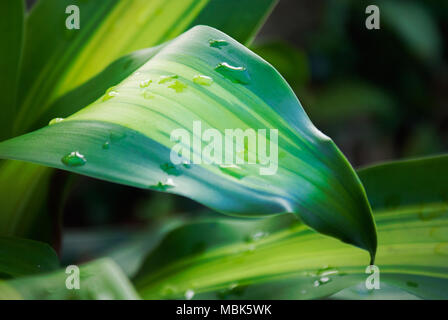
[[279, 258], [205, 78], [52, 56], [57, 59]]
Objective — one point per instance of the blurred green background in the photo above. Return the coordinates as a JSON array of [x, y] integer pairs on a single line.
[[379, 94]]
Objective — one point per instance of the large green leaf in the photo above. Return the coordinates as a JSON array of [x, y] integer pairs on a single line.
[[57, 59], [50, 47], [11, 33], [99, 280], [21, 257], [282, 259], [124, 137]]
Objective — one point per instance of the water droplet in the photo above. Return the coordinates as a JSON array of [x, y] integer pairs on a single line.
[[106, 145], [234, 74], [110, 93], [189, 294], [116, 136], [326, 271], [412, 284], [163, 186], [186, 165], [171, 169], [148, 94], [257, 236], [145, 83], [232, 170], [74, 159], [233, 289], [178, 86], [164, 79], [322, 281], [55, 120], [203, 80], [218, 43]]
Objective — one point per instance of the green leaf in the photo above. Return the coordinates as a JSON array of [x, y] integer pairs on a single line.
[[291, 62], [59, 49], [21, 257], [57, 60], [415, 26], [99, 280], [23, 195], [279, 258], [350, 99], [11, 33], [414, 184], [125, 138]]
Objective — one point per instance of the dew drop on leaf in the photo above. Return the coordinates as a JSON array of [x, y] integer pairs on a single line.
[[203, 80], [145, 83], [165, 79], [110, 93], [147, 94], [106, 145], [189, 294], [116, 136], [163, 186], [326, 271], [322, 281], [178, 86], [234, 289], [234, 74], [186, 165], [218, 43], [170, 169], [55, 120], [74, 159]]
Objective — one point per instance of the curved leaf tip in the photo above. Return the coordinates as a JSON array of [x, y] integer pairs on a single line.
[[204, 84]]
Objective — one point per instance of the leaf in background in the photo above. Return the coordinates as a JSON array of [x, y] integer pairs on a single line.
[[417, 184], [240, 19], [125, 138], [415, 26], [11, 32], [23, 195], [57, 59], [290, 61], [346, 100], [21, 257], [99, 280], [279, 258]]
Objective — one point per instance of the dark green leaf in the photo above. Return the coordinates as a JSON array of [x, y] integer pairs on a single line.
[[11, 33], [21, 257]]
